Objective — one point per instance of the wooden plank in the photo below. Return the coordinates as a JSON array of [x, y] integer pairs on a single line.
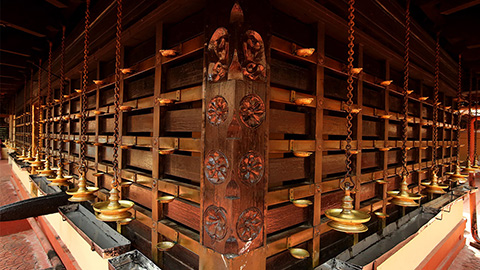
[[188, 120], [288, 122], [285, 169], [187, 167], [279, 218], [183, 212]]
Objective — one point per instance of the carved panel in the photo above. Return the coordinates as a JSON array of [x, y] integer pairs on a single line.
[[249, 224], [217, 110], [218, 48], [216, 167], [215, 222], [252, 110], [254, 50], [251, 168]]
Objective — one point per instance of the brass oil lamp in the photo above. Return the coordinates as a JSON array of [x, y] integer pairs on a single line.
[[115, 209], [82, 192], [433, 187], [346, 219], [402, 197]]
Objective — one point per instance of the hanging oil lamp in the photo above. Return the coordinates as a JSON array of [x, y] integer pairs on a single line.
[[82, 192], [469, 168], [24, 154], [346, 219], [433, 187], [402, 197], [47, 170], [115, 209], [37, 162]]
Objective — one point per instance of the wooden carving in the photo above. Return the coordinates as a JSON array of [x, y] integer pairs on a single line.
[[217, 110], [252, 110], [215, 222], [216, 167], [254, 52], [251, 168], [249, 224], [218, 48]]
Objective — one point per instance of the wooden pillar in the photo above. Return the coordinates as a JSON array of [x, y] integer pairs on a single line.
[[317, 206], [359, 97], [157, 173], [235, 158]]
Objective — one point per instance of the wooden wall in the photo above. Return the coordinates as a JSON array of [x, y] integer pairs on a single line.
[[318, 128]]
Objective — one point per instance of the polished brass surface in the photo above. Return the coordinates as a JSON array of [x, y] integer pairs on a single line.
[[457, 176], [302, 203], [433, 187], [47, 171], [60, 179], [402, 197], [468, 169], [113, 209], [166, 151], [346, 219], [165, 245], [82, 193], [166, 199], [299, 253], [302, 154], [381, 214], [303, 101]]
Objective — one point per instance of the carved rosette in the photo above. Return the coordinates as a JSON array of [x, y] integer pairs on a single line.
[[217, 111], [252, 110], [216, 167], [218, 48], [249, 224], [215, 222], [251, 168]]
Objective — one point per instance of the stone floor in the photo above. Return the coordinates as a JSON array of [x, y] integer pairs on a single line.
[[19, 246]]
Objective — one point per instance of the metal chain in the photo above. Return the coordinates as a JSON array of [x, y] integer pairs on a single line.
[[62, 82], [435, 105], [49, 100], [347, 182], [469, 128], [116, 133], [82, 166], [459, 98], [406, 74], [39, 91]]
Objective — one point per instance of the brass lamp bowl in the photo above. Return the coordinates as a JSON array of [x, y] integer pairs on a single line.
[[303, 101], [166, 199], [107, 213], [302, 154], [384, 149], [165, 245], [98, 174], [169, 53], [386, 116], [82, 195], [98, 82], [434, 188], [78, 90], [356, 70], [98, 144], [78, 115], [125, 108], [165, 101], [305, 52], [46, 172], [166, 151], [299, 253], [348, 221], [125, 221], [302, 203], [98, 112], [381, 181], [405, 199], [380, 214], [127, 70], [422, 98], [386, 83], [62, 181]]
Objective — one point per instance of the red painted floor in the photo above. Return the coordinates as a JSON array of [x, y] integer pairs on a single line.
[[19, 246]]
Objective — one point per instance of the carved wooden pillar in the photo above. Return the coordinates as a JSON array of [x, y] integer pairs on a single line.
[[234, 178]]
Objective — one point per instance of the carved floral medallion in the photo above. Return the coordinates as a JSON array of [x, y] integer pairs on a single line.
[[217, 111], [215, 222], [252, 110], [251, 168], [249, 224], [216, 167]]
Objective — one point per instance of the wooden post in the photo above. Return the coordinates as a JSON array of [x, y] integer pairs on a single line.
[[235, 162], [157, 211]]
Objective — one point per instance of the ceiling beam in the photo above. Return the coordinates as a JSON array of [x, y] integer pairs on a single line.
[[16, 53], [456, 6], [57, 3], [23, 29], [11, 65]]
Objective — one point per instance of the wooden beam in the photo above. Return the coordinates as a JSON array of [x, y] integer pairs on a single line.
[[57, 3], [16, 53], [11, 65], [21, 28], [455, 6]]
